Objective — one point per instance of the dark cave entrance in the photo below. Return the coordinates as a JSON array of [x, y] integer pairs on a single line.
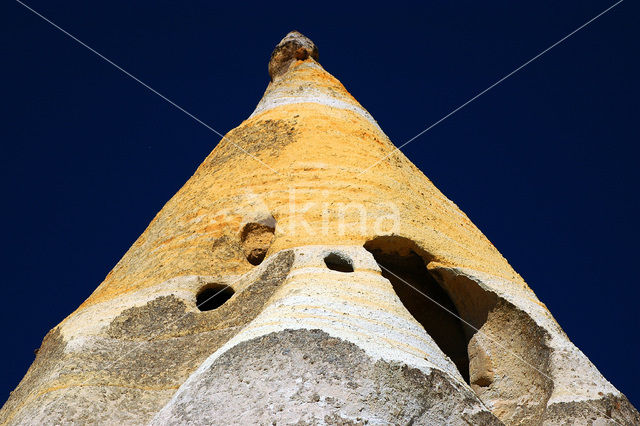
[[256, 238], [213, 296], [400, 264], [338, 262]]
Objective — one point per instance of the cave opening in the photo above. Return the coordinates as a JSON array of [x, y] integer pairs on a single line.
[[338, 262], [213, 296], [256, 238], [423, 296]]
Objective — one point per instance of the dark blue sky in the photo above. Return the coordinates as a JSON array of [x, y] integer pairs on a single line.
[[545, 164]]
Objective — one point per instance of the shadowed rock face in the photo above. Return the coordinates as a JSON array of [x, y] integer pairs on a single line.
[[327, 319], [509, 365]]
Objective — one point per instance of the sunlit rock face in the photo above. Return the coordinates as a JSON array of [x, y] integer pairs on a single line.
[[308, 273]]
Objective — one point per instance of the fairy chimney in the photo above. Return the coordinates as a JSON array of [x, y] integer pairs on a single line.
[[308, 272]]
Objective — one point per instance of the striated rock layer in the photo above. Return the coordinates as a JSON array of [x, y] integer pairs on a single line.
[[297, 278]]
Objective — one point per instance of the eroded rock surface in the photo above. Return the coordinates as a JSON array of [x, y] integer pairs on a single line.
[[294, 47], [130, 369], [256, 239], [355, 295], [309, 377]]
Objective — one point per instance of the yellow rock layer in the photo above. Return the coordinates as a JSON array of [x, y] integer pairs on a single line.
[[306, 164]]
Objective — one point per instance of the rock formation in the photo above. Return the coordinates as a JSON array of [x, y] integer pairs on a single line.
[[287, 283]]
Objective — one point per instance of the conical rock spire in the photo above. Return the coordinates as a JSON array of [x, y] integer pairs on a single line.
[[341, 293]]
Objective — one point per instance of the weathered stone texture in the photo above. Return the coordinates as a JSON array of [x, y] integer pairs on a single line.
[[127, 372], [427, 323], [309, 377]]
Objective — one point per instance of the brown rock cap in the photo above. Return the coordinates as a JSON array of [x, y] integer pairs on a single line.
[[293, 47]]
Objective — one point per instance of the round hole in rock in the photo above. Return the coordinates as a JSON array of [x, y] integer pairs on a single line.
[[256, 238], [338, 262], [213, 296]]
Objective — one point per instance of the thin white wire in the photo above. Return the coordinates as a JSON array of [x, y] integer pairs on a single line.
[[491, 87], [382, 159], [127, 73]]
